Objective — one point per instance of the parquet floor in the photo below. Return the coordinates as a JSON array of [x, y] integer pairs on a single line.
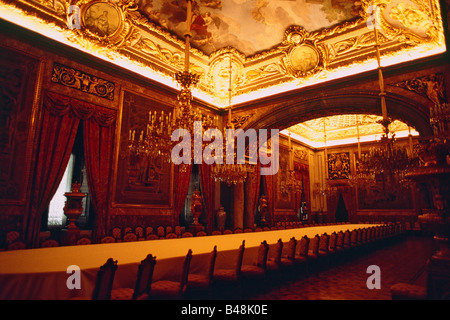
[[401, 261]]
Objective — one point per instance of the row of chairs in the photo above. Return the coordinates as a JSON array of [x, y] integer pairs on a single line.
[[306, 252], [140, 233]]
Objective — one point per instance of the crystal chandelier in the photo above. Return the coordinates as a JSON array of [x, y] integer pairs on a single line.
[[230, 173], [157, 142], [385, 162]]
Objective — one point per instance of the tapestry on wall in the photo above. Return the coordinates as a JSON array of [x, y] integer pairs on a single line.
[[140, 180], [339, 166]]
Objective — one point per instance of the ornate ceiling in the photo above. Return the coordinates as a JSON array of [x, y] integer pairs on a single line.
[[274, 46], [344, 129], [250, 26]]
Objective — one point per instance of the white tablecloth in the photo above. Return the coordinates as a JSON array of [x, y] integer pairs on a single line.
[[41, 273]]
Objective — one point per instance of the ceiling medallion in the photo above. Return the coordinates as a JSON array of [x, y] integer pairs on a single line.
[[303, 57], [106, 21]]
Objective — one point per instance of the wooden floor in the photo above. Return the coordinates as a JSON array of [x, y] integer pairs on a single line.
[[401, 261]]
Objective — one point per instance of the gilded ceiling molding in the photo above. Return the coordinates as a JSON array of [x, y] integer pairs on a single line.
[[239, 121], [303, 55], [410, 21], [301, 59], [431, 87]]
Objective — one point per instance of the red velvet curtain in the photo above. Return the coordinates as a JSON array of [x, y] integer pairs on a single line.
[[208, 187], [55, 141], [183, 176], [60, 119], [99, 132], [252, 185]]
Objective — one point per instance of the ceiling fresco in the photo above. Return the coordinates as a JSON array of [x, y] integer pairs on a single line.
[[269, 47], [249, 26]]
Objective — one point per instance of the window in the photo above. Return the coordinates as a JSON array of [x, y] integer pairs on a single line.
[[55, 209], [75, 172]]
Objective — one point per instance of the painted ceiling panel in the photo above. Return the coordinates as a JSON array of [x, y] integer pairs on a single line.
[[249, 26]]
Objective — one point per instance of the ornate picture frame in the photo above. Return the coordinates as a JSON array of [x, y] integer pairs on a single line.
[[139, 182]]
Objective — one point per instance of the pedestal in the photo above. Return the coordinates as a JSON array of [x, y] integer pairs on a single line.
[[194, 228], [69, 237], [73, 209]]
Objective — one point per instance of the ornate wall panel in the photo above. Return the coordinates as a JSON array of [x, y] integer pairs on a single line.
[[139, 181], [18, 76]]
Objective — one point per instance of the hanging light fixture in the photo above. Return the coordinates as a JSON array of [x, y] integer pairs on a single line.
[[230, 173], [385, 162], [156, 142]]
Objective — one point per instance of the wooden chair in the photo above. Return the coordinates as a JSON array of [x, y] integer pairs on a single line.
[[289, 259], [178, 231], [171, 235], [148, 231], [354, 239], [203, 282], [275, 263], [258, 269], [332, 250], [160, 232], [83, 241], [228, 281], [139, 231], [143, 282], [231, 275], [151, 237], [129, 237], [104, 282], [313, 251], [169, 289], [117, 234], [301, 257], [108, 239], [17, 245], [347, 245], [49, 243], [324, 247], [187, 235], [12, 236]]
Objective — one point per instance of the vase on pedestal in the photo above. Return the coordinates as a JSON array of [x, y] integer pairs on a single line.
[[73, 209]]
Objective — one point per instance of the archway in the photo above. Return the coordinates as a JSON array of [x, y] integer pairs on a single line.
[[297, 108]]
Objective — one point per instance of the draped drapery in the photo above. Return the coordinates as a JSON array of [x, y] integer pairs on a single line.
[[207, 183], [252, 185], [182, 177], [60, 119], [55, 141], [98, 144]]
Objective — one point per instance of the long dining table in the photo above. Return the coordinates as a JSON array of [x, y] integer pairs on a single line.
[[42, 273]]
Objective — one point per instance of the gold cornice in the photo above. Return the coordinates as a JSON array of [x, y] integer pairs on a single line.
[[344, 49]]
